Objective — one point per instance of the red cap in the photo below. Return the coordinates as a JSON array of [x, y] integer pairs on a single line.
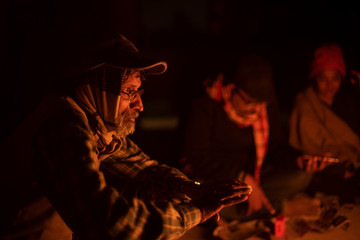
[[328, 56]]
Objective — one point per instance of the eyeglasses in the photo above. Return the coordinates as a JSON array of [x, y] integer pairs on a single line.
[[132, 94]]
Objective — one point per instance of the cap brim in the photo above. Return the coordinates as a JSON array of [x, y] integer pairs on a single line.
[[156, 68], [117, 52], [147, 66]]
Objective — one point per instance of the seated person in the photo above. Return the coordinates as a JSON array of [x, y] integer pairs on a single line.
[[70, 168], [325, 122], [234, 131]]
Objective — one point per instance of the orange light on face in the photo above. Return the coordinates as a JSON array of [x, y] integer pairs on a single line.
[[244, 104], [328, 84]]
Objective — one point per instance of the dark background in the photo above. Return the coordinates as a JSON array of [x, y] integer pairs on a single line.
[[188, 34]]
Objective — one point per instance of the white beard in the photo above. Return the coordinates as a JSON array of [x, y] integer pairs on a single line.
[[124, 127]]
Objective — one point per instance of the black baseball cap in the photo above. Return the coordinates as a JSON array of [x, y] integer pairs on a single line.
[[115, 51]]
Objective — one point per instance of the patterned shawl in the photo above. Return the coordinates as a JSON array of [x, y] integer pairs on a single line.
[[259, 123]]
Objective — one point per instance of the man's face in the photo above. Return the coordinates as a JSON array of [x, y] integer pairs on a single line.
[[129, 109], [244, 105]]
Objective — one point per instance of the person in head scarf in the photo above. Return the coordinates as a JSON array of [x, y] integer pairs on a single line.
[[324, 125], [72, 170]]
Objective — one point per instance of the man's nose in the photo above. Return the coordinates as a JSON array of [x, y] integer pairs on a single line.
[[137, 103]]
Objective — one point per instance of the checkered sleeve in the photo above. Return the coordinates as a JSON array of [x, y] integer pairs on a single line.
[[130, 162], [66, 165], [133, 172]]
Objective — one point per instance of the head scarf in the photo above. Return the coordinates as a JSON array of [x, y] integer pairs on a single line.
[[328, 56], [101, 106], [100, 71]]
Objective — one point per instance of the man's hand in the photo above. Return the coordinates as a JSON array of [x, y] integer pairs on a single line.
[[212, 197], [258, 199]]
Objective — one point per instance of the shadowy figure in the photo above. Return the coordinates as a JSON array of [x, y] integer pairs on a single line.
[[234, 131]]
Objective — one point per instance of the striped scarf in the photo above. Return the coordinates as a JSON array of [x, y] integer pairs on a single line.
[[259, 123]]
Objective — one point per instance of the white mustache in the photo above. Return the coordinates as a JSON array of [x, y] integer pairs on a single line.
[[134, 114]]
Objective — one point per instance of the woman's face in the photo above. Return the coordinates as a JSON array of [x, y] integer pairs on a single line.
[[328, 83]]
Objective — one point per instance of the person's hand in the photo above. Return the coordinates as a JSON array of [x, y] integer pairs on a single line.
[[313, 163], [257, 200], [350, 170], [227, 91], [355, 77], [212, 197], [214, 89], [348, 174]]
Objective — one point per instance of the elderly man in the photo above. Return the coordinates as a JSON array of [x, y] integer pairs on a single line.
[[70, 168]]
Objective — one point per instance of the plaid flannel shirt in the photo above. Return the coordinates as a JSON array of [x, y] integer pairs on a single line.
[[129, 204]]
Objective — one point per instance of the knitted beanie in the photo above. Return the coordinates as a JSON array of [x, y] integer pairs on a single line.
[[328, 56]]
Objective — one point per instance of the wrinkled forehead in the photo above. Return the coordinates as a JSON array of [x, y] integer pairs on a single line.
[[113, 80], [133, 80]]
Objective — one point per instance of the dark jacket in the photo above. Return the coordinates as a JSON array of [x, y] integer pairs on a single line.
[[217, 149]]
